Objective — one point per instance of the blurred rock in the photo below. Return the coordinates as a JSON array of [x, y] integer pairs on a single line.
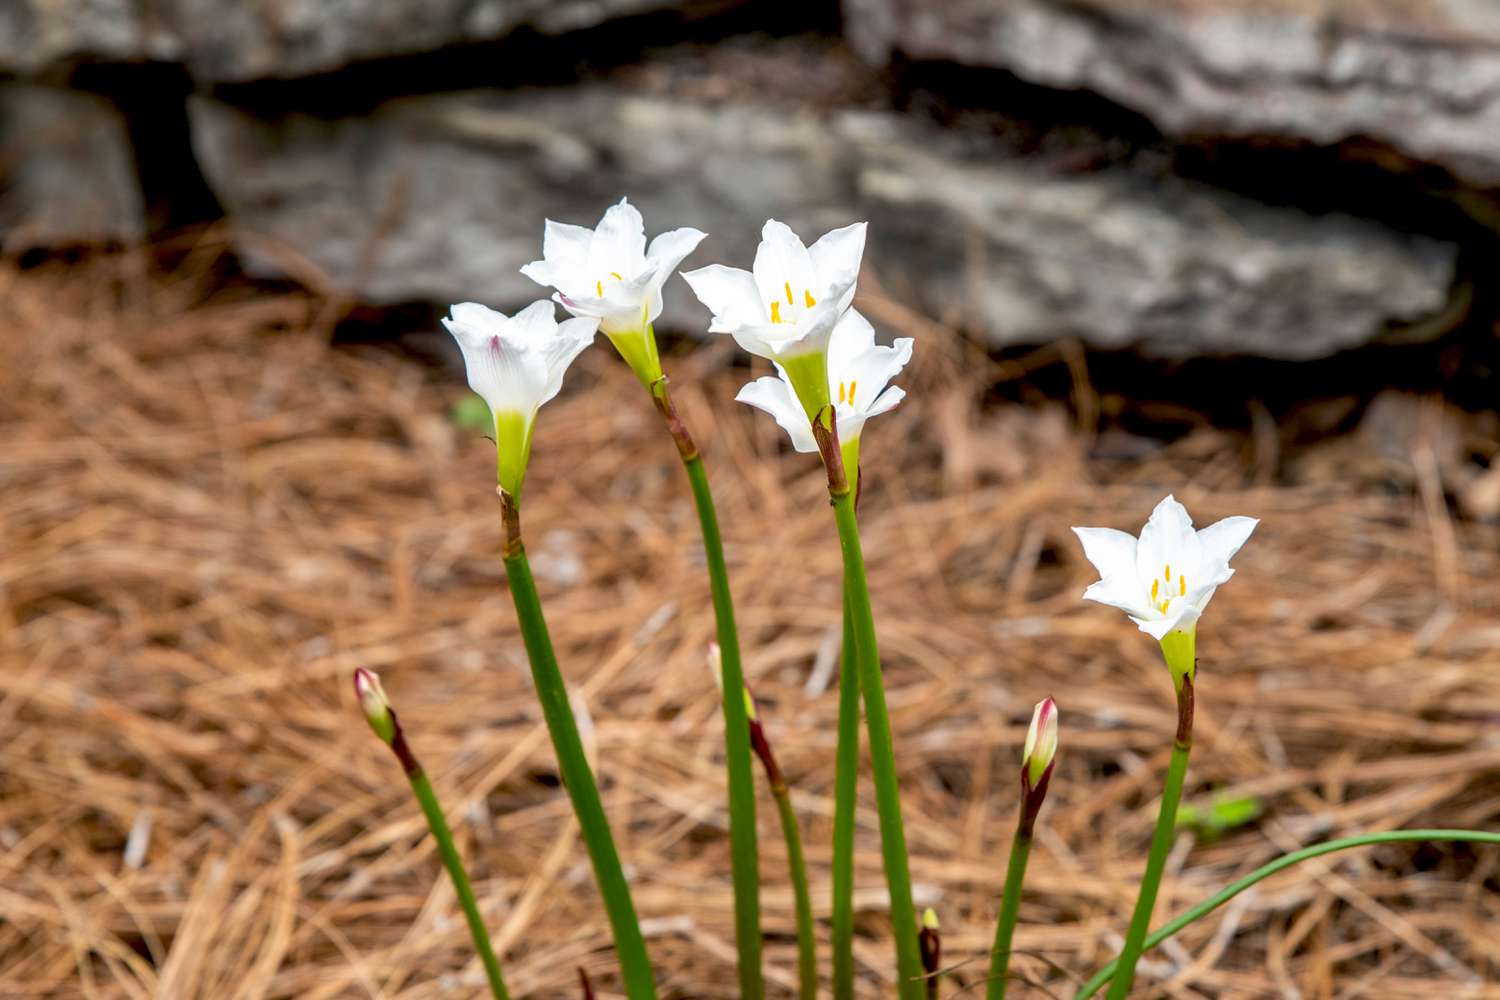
[[66, 172], [224, 41], [1421, 77], [443, 198]]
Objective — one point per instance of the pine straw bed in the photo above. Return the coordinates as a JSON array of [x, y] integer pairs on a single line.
[[210, 517]]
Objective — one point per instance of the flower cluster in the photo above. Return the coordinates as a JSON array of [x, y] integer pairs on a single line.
[[793, 308]]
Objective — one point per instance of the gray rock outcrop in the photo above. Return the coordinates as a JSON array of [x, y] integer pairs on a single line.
[[228, 41], [443, 198], [67, 175], [1420, 76]]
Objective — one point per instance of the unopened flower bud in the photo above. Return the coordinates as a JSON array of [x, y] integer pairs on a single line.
[[377, 707], [1041, 743], [931, 945]]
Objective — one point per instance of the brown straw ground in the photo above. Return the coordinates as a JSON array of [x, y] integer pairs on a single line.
[[210, 517]]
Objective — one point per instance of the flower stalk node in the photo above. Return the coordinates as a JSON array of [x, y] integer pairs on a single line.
[[826, 432], [510, 523], [686, 447], [1184, 739]]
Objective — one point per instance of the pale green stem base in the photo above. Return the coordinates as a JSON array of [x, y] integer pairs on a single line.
[[578, 778], [1010, 906], [845, 785], [882, 754], [1232, 890], [427, 798], [1156, 862]]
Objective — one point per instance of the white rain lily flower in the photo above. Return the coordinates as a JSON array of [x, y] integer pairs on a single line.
[[609, 273], [787, 308], [516, 364], [1165, 579], [859, 373]]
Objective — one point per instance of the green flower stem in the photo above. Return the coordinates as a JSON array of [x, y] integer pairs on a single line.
[[1232, 890], [744, 859], [807, 958], [578, 777], [1010, 905], [845, 780], [1161, 844], [428, 800], [882, 753]]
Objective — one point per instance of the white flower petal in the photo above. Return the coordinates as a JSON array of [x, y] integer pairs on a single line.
[[836, 259], [886, 401], [775, 396], [619, 242], [730, 295], [565, 247], [572, 336], [1158, 628], [537, 323], [499, 364], [1168, 539], [1222, 539], [783, 268], [666, 252], [1123, 592], [1111, 551]]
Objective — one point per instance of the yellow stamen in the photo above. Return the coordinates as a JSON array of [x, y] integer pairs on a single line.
[[1167, 576], [851, 392], [599, 287], [1183, 580], [841, 392], [775, 312], [614, 275], [789, 300], [810, 300], [1155, 589]]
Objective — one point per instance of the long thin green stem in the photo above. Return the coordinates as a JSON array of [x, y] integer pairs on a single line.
[[427, 799], [796, 862], [744, 859], [845, 782], [1010, 905], [882, 752], [1232, 890], [578, 777], [1161, 843]]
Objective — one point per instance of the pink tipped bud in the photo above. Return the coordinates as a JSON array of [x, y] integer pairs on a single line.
[[1041, 743], [376, 706]]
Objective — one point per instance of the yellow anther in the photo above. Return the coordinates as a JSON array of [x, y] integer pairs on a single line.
[[599, 287], [810, 300], [1155, 589], [851, 392], [841, 392], [775, 312], [789, 300], [1183, 580], [616, 276], [1167, 576]]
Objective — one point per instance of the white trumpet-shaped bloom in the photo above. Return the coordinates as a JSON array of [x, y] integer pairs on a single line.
[[786, 308], [1164, 579], [859, 375], [516, 363], [608, 273]]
